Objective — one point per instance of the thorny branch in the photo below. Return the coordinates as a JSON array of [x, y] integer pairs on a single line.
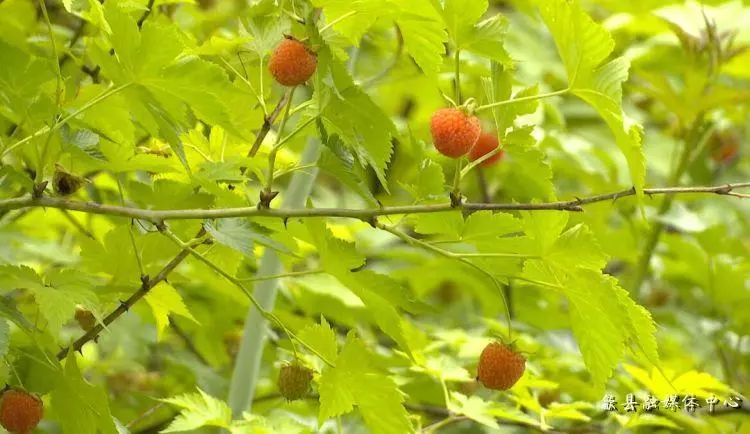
[[146, 285], [159, 216]]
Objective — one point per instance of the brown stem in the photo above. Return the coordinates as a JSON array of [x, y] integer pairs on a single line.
[[365, 214], [146, 285], [185, 337], [146, 14], [267, 123]]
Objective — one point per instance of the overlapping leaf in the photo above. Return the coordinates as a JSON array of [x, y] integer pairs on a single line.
[[604, 319], [80, 407], [583, 46], [354, 381], [351, 115]]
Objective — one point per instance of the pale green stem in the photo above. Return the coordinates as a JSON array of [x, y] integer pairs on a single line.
[[46, 129], [277, 146], [130, 229], [520, 100], [465, 171], [281, 276], [442, 424], [58, 92], [248, 362], [448, 254], [293, 169], [294, 132], [258, 96], [457, 178], [457, 64], [267, 314], [692, 141], [337, 20]]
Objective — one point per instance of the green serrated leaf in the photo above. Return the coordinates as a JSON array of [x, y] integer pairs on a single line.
[[354, 381], [80, 407], [61, 293], [460, 17], [164, 301], [487, 39], [322, 338], [349, 113], [351, 18], [583, 46], [424, 34], [198, 410]]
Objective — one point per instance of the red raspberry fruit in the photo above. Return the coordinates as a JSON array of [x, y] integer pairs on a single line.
[[20, 412], [292, 63], [486, 144], [499, 366], [726, 153], [454, 132]]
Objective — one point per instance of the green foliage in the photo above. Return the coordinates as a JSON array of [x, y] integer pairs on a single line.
[[78, 405], [354, 381], [402, 264], [584, 45]]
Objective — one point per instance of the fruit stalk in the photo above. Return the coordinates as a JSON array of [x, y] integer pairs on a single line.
[[278, 144], [247, 365]]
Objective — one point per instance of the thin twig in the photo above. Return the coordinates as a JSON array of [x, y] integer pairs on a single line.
[[270, 316], [112, 90], [182, 334], [394, 62], [144, 415], [277, 146], [521, 99], [464, 258], [267, 123], [576, 205], [78, 32], [435, 427], [484, 188], [76, 223], [146, 286], [146, 14]]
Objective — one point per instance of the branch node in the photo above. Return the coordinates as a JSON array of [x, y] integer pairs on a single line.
[[725, 189], [456, 199], [360, 268], [266, 196], [145, 280], [371, 220], [124, 305], [160, 225], [38, 189]]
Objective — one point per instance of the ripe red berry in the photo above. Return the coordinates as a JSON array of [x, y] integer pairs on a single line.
[[486, 144], [294, 381], [20, 412], [726, 152], [454, 132], [292, 63], [500, 366]]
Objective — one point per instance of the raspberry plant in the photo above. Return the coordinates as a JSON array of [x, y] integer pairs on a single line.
[[195, 193]]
